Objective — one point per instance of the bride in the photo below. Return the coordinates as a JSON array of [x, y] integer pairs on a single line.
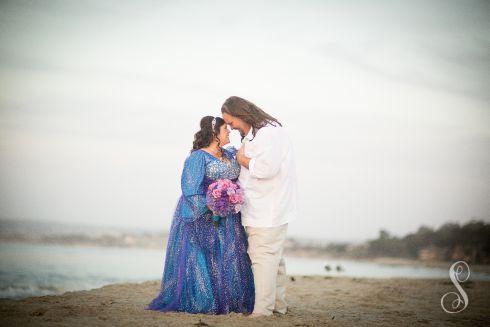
[[207, 268]]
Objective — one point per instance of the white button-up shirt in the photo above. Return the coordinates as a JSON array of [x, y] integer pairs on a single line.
[[269, 183]]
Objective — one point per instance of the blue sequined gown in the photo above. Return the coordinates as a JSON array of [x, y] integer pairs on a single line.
[[207, 268]]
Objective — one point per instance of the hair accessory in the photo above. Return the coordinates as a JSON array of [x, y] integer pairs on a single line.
[[213, 124]]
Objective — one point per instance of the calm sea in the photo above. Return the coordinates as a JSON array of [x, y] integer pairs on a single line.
[[34, 269]]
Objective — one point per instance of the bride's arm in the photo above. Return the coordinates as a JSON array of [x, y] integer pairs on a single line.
[[193, 190]]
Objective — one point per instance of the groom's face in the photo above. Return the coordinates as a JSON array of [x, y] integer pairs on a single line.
[[236, 123]]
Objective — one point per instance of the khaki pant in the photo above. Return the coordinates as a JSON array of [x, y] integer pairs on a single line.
[[265, 248]]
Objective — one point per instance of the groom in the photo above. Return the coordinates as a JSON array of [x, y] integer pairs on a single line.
[[268, 178]]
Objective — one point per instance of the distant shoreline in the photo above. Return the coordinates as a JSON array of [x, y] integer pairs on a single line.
[[288, 252]]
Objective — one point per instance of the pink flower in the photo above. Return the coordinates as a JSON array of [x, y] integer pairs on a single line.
[[216, 193], [236, 198]]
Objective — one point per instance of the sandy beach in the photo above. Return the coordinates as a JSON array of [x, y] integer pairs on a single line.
[[314, 301]]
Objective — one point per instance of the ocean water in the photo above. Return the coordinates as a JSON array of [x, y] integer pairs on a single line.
[[36, 269]]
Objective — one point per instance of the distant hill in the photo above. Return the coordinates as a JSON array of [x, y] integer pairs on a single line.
[[469, 242], [450, 242], [53, 232]]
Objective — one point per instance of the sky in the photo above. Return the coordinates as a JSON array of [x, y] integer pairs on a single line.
[[387, 104]]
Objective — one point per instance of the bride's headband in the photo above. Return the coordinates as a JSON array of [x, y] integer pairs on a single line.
[[213, 124]]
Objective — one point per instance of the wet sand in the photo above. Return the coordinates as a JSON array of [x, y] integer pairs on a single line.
[[313, 300]]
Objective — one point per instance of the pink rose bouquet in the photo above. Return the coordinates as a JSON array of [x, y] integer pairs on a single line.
[[223, 198]]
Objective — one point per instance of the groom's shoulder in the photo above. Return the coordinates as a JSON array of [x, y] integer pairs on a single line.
[[270, 129]]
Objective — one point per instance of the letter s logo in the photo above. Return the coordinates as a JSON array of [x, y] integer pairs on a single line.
[[455, 273]]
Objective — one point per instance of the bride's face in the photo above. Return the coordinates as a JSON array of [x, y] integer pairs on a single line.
[[224, 134]]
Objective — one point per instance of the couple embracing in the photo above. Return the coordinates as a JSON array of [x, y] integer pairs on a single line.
[[235, 264]]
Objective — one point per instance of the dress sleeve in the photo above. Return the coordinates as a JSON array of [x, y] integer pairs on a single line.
[[193, 190]]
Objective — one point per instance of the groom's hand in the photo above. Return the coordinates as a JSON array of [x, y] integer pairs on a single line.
[[242, 158]]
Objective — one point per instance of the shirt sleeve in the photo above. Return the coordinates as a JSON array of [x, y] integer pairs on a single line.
[[268, 154], [193, 190]]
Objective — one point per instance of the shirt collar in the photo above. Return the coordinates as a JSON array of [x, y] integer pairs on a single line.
[[249, 136]]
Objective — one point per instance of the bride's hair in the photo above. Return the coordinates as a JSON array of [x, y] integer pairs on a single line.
[[248, 112], [205, 136]]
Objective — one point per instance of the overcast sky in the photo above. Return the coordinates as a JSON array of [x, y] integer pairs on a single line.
[[387, 103]]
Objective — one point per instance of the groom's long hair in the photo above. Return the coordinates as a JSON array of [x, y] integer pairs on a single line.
[[248, 112]]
